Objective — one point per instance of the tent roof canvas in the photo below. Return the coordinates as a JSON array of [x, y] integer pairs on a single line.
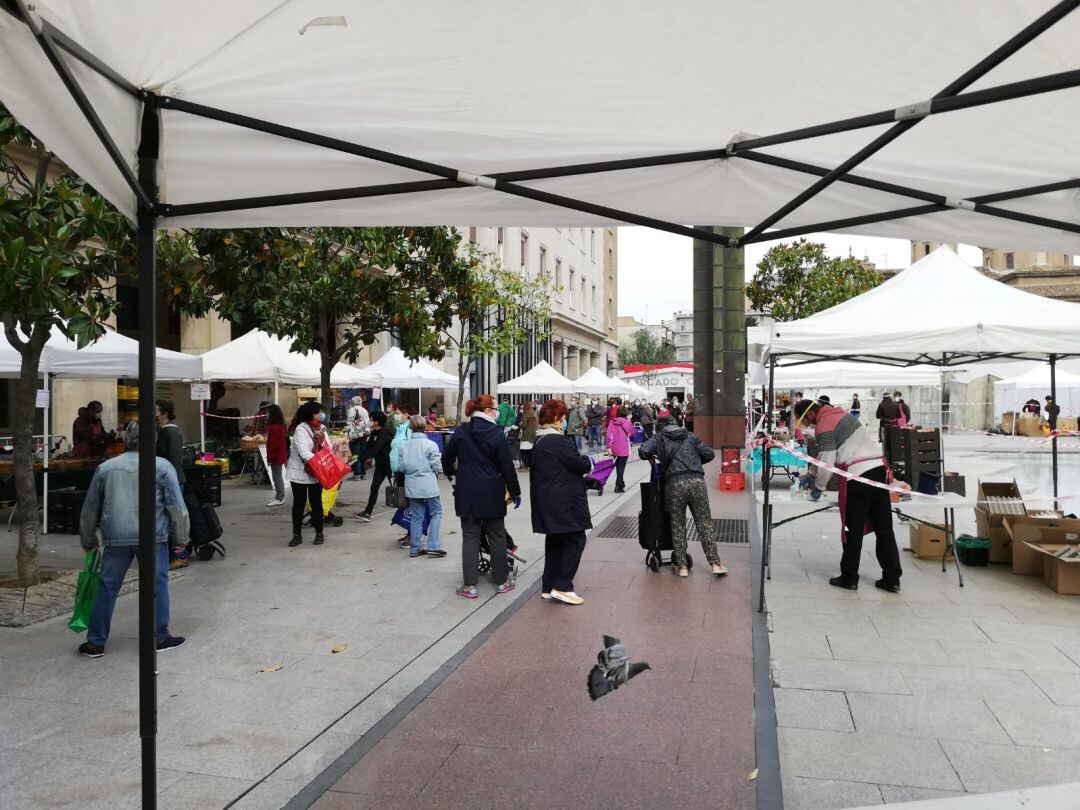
[[938, 306], [344, 74], [398, 371], [257, 357], [594, 381], [540, 379], [841, 374], [1039, 377], [112, 355]]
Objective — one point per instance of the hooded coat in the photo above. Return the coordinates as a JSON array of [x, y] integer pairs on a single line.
[[478, 456], [556, 489], [679, 452]]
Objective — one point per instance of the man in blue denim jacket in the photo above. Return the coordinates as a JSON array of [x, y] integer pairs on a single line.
[[112, 503]]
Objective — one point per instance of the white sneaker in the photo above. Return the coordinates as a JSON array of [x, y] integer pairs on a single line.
[[545, 594], [566, 597], [277, 502]]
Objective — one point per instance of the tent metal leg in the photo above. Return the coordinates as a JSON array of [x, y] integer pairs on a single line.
[[766, 474], [1052, 417], [147, 270]]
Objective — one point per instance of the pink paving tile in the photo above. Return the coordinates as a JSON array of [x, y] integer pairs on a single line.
[[724, 669], [395, 769], [492, 778], [478, 722], [622, 735], [723, 745], [653, 786]]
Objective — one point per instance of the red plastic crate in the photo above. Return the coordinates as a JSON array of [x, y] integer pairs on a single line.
[[732, 482], [730, 459]]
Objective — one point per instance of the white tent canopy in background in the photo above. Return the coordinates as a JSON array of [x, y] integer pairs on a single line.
[[345, 80], [594, 381], [1011, 394], [540, 379], [261, 358], [940, 305], [840, 374], [638, 390], [112, 355], [398, 371]]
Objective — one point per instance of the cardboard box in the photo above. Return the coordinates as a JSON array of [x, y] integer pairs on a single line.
[[1061, 575], [989, 522], [1028, 533], [927, 542], [1066, 423], [1008, 421], [1029, 425]]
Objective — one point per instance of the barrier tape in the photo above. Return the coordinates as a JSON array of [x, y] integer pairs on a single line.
[[232, 418], [877, 484]]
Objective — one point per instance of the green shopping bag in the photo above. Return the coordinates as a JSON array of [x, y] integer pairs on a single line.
[[86, 590]]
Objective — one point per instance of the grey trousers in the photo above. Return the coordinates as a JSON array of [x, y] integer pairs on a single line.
[[690, 491], [277, 474], [495, 529]]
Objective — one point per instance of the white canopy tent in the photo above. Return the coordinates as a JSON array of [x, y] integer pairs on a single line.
[[228, 133], [261, 358], [540, 379], [1011, 394], [398, 371], [841, 374], [594, 381]]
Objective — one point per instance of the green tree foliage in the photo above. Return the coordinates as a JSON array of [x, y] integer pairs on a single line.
[[798, 279], [645, 349], [495, 310], [331, 290], [61, 247]]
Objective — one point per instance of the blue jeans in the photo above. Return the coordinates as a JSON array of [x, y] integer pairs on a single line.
[[579, 441], [432, 508], [357, 448], [594, 436], [115, 562]]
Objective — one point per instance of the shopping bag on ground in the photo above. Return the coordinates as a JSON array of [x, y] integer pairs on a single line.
[[85, 591], [327, 467]]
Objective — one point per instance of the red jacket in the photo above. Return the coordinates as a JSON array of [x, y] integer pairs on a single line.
[[276, 451]]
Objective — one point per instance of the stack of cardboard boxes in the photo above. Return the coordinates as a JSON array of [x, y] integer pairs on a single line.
[[1046, 546], [996, 501]]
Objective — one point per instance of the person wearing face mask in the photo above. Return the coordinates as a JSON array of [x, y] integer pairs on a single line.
[[648, 416], [595, 413], [87, 432], [308, 437], [577, 422], [478, 457]]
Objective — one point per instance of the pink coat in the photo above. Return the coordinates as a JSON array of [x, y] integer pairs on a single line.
[[619, 431]]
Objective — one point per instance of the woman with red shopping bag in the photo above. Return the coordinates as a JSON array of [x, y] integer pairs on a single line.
[[308, 439]]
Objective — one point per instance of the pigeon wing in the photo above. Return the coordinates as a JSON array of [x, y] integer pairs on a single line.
[[613, 654], [599, 684]]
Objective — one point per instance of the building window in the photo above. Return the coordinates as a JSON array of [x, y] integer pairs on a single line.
[[472, 234], [524, 249], [926, 248], [570, 234], [572, 288], [592, 243], [592, 303], [558, 280], [610, 314], [542, 269], [1010, 261], [582, 293]]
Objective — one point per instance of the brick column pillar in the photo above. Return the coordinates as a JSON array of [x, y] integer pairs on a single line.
[[719, 341]]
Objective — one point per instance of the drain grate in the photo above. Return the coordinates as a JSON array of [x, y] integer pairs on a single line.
[[727, 530]]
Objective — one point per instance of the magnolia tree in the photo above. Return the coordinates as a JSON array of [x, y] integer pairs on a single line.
[[61, 247], [796, 280], [332, 290], [495, 311]]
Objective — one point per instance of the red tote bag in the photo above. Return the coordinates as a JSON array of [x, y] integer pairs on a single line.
[[325, 466]]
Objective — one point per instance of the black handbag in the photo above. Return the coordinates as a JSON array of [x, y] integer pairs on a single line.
[[395, 493]]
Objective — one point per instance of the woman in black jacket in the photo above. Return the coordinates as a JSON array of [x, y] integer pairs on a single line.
[[560, 509], [479, 456], [378, 448]]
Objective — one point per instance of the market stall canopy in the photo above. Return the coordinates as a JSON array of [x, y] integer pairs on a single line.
[[638, 390], [398, 371], [1011, 394], [594, 381], [386, 92], [540, 379], [261, 358], [840, 374], [940, 311], [111, 356]]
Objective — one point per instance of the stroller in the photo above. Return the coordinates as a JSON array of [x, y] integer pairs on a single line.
[[599, 475], [511, 554], [654, 524]]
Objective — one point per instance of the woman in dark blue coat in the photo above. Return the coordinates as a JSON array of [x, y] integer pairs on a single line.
[[479, 457], [560, 509]]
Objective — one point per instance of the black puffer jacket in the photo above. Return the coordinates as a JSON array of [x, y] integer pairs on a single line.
[[479, 456], [556, 488], [679, 452]]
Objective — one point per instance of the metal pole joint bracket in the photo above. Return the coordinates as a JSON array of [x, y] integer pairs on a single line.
[[910, 111], [477, 180], [954, 202]]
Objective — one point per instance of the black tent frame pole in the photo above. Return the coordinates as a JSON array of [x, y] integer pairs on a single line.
[[766, 475], [146, 221], [987, 64], [1054, 423]]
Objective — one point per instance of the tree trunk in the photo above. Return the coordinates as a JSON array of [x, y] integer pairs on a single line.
[[462, 373], [23, 408], [326, 365]]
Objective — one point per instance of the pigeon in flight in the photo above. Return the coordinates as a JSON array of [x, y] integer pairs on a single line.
[[613, 668]]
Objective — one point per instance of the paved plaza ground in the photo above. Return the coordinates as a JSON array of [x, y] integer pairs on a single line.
[[443, 702]]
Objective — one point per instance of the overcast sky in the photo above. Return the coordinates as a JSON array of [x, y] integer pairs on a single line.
[[655, 268]]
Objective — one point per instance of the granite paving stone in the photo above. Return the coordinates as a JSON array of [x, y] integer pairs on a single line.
[[809, 708], [888, 650], [802, 793], [1037, 723], [840, 676], [986, 768], [929, 716]]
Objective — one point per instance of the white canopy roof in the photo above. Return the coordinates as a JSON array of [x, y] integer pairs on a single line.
[[540, 379], [940, 305], [398, 371], [1011, 394], [594, 381], [112, 355], [261, 358], [483, 87], [840, 374]]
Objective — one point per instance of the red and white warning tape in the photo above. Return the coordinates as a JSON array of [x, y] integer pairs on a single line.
[[232, 418]]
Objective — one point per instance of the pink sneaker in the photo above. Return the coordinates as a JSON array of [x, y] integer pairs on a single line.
[[506, 587], [467, 591]]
